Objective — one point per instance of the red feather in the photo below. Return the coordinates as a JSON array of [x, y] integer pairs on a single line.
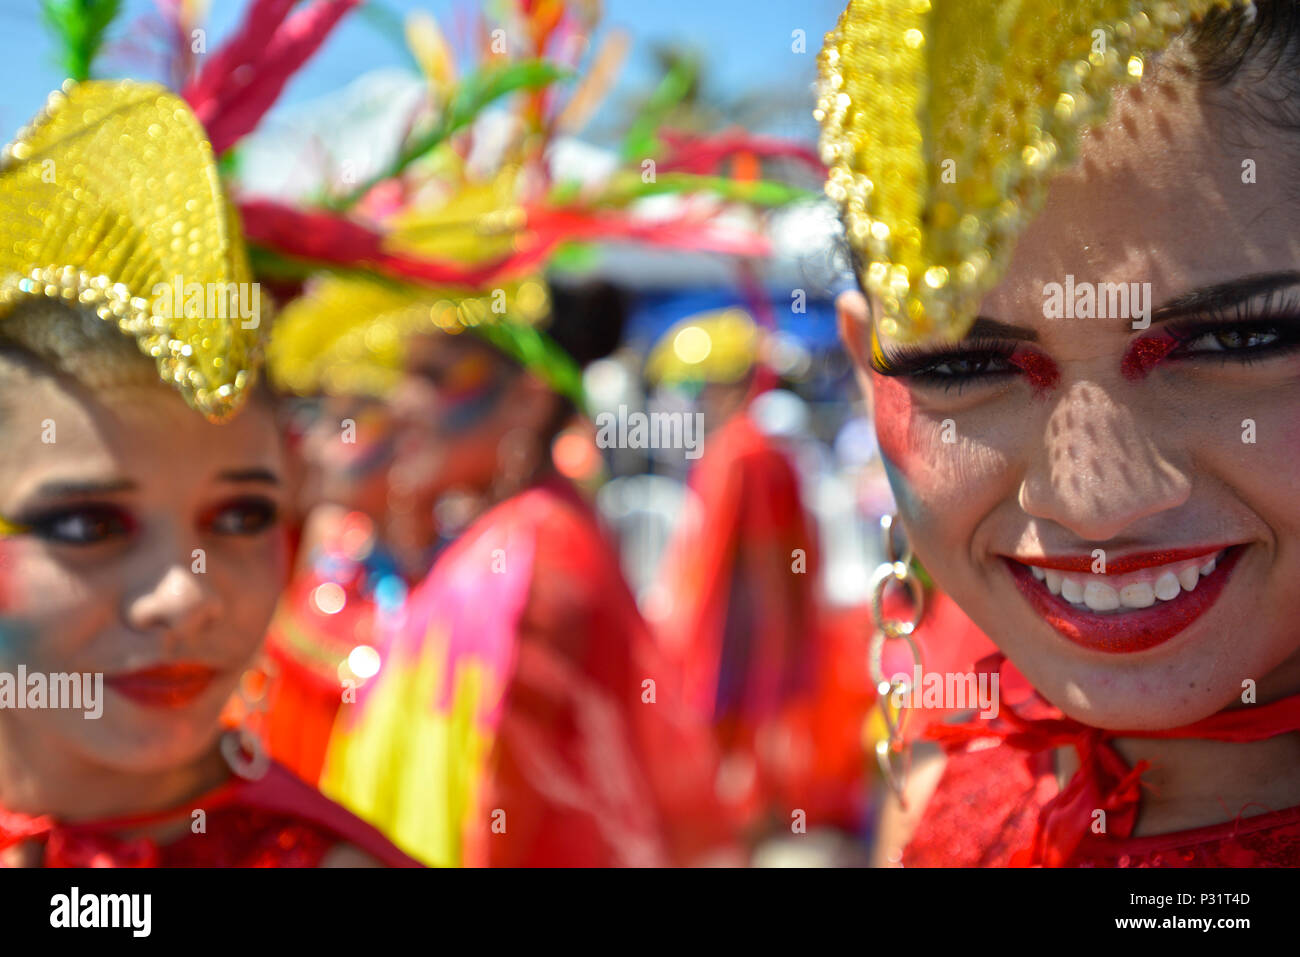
[[244, 78]]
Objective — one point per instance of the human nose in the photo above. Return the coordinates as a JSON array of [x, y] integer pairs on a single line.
[[1101, 468], [176, 599]]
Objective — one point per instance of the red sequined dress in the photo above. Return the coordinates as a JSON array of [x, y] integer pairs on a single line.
[[998, 803], [274, 821]]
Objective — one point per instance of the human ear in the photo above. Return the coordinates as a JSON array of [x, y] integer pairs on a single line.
[[854, 317]]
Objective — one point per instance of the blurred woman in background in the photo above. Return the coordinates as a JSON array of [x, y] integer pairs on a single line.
[[521, 716]]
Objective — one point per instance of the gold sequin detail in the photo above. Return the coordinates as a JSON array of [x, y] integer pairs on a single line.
[[109, 194], [943, 121], [347, 335]]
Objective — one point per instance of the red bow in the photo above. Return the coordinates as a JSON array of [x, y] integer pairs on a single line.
[[1103, 781]]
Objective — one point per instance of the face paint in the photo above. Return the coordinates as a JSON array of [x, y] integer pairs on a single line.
[[904, 495], [378, 455], [893, 415], [1144, 354], [1040, 371], [13, 634], [465, 413]]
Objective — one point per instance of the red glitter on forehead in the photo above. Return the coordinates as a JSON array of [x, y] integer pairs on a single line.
[[1040, 371], [1144, 354]]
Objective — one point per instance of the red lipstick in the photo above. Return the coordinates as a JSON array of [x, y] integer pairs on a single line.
[[1129, 631], [164, 686], [1123, 564]]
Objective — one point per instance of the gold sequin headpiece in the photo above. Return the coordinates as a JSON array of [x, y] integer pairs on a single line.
[[111, 199], [346, 335], [942, 121]]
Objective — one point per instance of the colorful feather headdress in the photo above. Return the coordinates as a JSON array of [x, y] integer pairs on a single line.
[[943, 121], [429, 233]]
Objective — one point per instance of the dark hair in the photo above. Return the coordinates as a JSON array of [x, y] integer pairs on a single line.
[[587, 319], [70, 340], [1261, 45]]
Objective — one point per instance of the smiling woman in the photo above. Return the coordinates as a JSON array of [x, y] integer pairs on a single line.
[[140, 493], [1115, 501]]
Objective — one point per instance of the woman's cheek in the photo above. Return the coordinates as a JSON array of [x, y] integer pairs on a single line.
[[14, 630], [893, 413], [34, 600], [935, 468], [1252, 446], [255, 587]]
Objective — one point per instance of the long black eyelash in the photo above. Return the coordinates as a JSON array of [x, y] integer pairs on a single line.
[[42, 523], [1278, 312], [918, 360]]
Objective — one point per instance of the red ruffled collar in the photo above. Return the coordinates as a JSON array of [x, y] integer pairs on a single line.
[[96, 843], [1103, 781]]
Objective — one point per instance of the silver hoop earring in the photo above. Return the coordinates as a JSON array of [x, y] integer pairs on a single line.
[[894, 753]]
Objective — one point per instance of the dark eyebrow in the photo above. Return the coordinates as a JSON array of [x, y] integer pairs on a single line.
[[1224, 295], [985, 328], [1214, 298], [76, 489], [250, 475]]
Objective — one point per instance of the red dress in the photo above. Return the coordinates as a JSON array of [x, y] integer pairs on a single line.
[[744, 625], [274, 821], [998, 803], [312, 635], [521, 716]]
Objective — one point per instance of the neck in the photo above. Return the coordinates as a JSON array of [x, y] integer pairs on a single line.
[[1195, 782], [39, 780]]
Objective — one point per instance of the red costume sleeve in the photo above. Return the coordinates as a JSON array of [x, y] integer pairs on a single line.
[[594, 765]]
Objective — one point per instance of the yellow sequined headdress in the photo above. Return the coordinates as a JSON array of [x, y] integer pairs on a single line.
[[346, 335], [942, 121], [720, 346], [109, 197]]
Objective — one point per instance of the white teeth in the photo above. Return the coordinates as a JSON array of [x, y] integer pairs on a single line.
[[1106, 594], [1167, 586], [1137, 595], [1100, 597]]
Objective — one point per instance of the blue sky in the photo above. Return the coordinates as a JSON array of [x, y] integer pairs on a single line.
[[748, 42]]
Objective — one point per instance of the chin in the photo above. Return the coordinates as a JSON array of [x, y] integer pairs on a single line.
[[1103, 699], [128, 745], [1176, 684]]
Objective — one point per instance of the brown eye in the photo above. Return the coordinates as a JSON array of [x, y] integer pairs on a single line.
[[83, 525], [1231, 339], [971, 366], [244, 517]]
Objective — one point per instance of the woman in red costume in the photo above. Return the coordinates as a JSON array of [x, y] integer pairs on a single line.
[[141, 480], [1078, 331], [740, 584], [521, 716]]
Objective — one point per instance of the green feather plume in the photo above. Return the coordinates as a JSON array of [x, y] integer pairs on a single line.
[[80, 27]]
